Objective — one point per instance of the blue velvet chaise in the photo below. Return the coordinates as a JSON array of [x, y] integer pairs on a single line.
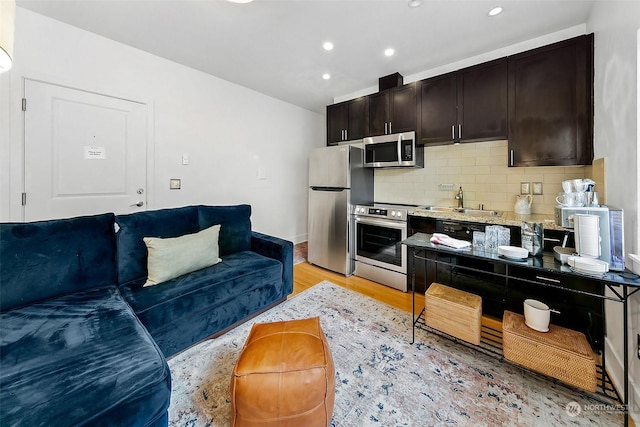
[[83, 342]]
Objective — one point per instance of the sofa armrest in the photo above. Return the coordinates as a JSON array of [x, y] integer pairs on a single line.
[[278, 249]]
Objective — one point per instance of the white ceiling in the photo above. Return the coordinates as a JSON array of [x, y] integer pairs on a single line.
[[275, 46]]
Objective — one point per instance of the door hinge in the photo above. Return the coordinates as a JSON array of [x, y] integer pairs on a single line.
[[24, 199], [24, 104]]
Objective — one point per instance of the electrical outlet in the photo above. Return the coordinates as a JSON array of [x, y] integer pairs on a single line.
[[445, 187], [536, 188], [174, 184]]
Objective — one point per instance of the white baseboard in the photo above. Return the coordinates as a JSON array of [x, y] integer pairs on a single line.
[[615, 370], [300, 238]]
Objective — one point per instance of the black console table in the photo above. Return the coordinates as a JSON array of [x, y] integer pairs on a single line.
[[504, 284]]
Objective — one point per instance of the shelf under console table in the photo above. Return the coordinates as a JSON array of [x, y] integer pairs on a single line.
[[504, 283]]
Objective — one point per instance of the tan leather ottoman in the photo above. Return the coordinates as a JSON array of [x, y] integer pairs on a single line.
[[284, 376]]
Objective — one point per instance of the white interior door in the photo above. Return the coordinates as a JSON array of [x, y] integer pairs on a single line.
[[85, 153]]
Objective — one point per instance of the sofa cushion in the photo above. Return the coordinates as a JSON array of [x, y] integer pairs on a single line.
[[189, 308], [175, 256], [45, 259], [235, 233], [132, 228], [81, 359]]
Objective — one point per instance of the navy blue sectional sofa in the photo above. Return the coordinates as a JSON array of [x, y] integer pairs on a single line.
[[82, 342]]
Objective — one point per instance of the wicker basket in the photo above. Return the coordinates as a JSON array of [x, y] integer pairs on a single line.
[[453, 312], [561, 353]]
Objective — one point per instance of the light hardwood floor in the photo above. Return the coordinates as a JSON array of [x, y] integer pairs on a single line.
[[306, 275]]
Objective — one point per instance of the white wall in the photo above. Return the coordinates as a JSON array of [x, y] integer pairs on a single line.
[[616, 26], [479, 59], [230, 132]]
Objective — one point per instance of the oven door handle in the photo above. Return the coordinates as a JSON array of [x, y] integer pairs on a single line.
[[400, 225]]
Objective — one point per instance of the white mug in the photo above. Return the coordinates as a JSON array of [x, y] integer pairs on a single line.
[[576, 199]]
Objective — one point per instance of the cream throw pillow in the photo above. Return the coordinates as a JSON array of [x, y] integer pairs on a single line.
[[173, 257]]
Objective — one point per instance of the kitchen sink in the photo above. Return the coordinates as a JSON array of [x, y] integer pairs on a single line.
[[465, 211], [440, 209], [479, 212]]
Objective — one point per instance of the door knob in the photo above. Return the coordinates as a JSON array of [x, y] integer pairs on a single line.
[[139, 204]]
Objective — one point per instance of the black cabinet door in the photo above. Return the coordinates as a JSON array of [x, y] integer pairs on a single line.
[[358, 111], [437, 109], [551, 105], [378, 113], [337, 116], [393, 110], [403, 109], [482, 101]]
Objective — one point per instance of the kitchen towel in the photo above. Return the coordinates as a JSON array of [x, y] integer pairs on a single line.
[[443, 239]]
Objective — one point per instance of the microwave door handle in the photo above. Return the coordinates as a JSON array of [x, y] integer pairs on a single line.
[[399, 147]]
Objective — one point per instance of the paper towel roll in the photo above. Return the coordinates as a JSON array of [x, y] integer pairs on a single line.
[[587, 235]]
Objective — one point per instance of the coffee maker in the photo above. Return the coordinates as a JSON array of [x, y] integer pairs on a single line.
[[611, 228]]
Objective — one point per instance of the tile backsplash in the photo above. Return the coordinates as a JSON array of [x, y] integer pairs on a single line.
[[481, 170]]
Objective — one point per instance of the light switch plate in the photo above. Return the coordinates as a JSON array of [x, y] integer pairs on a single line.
[[537, 188], [174, 184]]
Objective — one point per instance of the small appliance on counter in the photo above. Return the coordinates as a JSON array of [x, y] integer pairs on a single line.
[[608, 244]]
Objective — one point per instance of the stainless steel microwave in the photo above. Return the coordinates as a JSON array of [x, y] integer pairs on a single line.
[[397, 150]]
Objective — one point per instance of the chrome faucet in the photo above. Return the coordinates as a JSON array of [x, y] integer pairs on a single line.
[[460, 199]]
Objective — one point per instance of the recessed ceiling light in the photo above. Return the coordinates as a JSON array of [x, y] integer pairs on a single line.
[[327, 46], [495, 11], [389, 52], [240, 1], [415, 3], [326, 76]]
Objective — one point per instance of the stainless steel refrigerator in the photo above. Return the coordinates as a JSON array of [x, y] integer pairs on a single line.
[[337, 182]]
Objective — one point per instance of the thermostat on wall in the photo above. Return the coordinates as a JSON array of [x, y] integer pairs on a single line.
[[174, 184]]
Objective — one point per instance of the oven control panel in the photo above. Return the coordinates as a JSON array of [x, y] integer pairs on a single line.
[[395, 213]]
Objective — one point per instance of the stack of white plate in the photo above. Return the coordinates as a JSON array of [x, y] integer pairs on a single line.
[[513, 252], [588, 265]]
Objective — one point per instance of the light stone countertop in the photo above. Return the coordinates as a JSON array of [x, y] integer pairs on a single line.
[[507, 218]]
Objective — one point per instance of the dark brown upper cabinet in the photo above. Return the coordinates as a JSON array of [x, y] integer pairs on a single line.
[[347, 120], [551, 105], [438, 111], [483, 102], [463, 106], [392, 110]]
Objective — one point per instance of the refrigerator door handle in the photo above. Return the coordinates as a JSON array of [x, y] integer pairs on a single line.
[[335, 189]]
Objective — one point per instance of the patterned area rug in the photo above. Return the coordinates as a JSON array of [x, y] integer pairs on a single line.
[[381, 379]]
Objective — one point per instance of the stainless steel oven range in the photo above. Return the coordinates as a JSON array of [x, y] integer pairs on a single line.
[[379, 255]]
